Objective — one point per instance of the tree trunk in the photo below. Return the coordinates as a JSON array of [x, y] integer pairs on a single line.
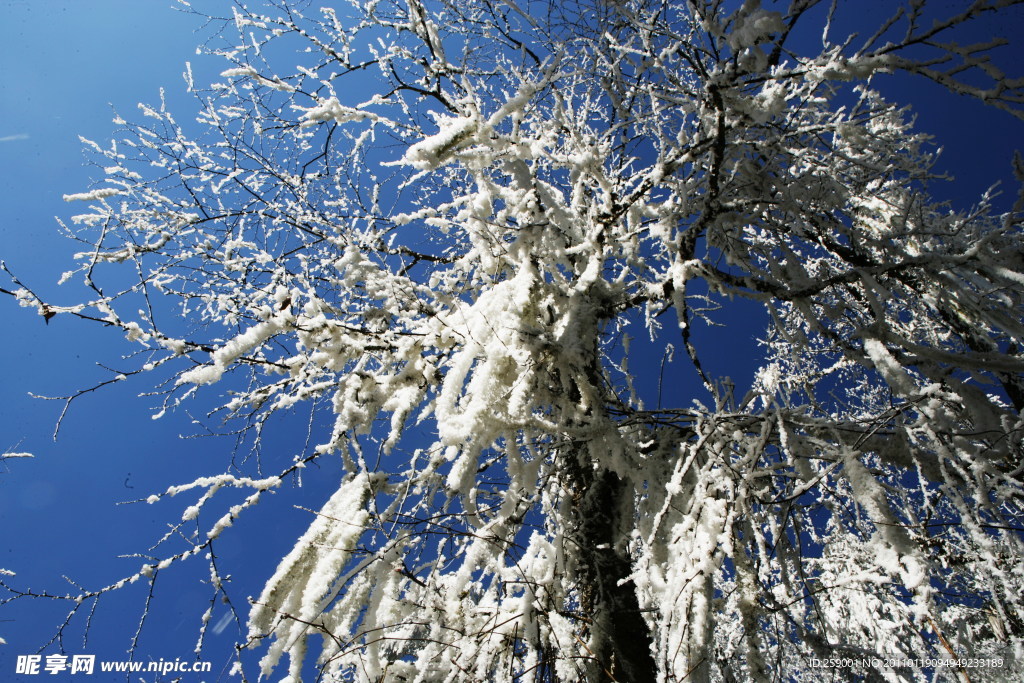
[[620, 639]]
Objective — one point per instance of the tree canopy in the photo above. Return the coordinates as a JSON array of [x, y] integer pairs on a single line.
[[453, 229]]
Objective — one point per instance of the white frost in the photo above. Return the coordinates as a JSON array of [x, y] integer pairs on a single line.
[[101, 193]]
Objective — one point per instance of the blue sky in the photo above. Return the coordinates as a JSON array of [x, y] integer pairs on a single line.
[[66, 63]]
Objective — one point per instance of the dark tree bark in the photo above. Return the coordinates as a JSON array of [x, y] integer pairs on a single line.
[[620, 636]]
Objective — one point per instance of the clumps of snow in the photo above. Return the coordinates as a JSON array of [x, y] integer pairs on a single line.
[[242, 21], [840, 68], [889, 367], [332, 110], [753, 27], [770, 102], [239, 72], [305, 581], [229, 352], [175, 346], [134, 332], [686, 588], [204, 374], [93, 195], [219, 481], [438, 149]]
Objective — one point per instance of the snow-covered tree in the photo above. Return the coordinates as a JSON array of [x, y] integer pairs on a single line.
[[443, 223]]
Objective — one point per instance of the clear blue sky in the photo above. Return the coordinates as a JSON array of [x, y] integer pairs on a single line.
[[65, 62]]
